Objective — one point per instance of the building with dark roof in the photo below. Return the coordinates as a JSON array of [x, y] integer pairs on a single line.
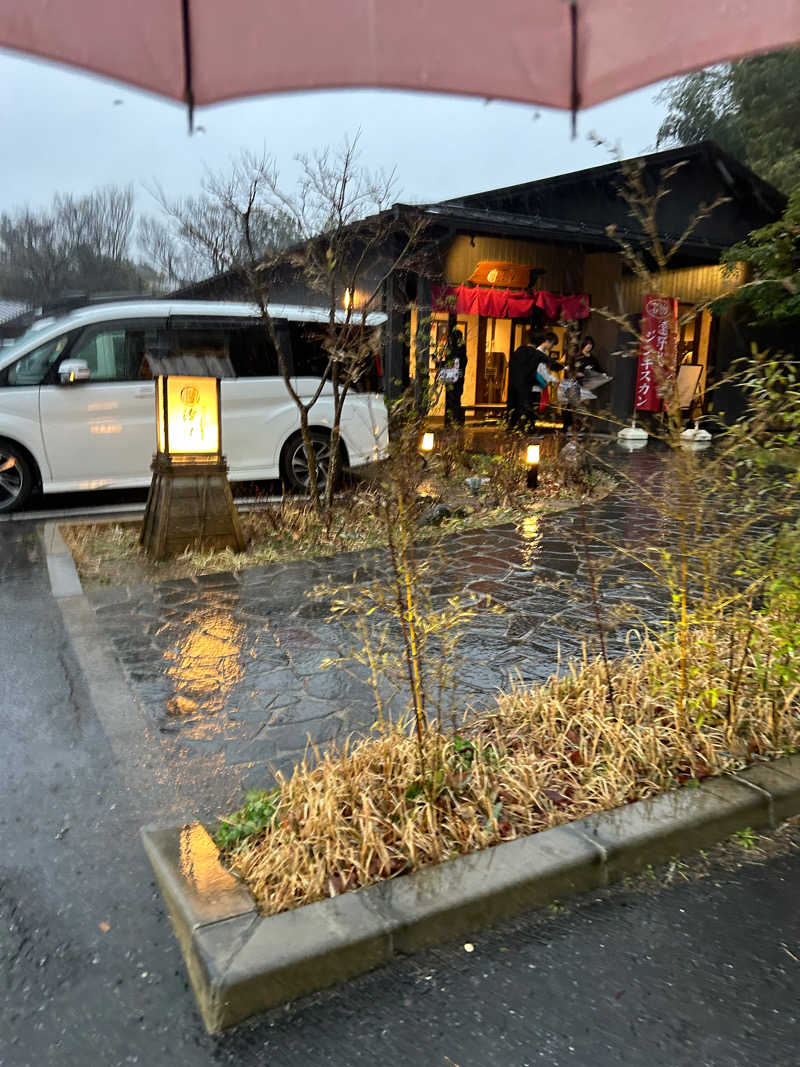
[[503, 262]]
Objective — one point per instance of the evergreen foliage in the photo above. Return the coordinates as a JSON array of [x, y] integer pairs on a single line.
[[751, 108]]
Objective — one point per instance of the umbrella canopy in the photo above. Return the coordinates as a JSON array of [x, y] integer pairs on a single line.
[[550, 52]]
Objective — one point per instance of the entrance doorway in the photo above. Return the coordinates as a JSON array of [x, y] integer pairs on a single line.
[[488, 343], [491, 373], [694, 344], [442, 328]]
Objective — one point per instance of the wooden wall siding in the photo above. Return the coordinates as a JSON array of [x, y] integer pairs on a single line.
[[602, 274], [563, 266], [691, 285]]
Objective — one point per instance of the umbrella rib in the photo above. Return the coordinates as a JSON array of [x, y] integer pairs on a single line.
[[575, 95], [187, 62]]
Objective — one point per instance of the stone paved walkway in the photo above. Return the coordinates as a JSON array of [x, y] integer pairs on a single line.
[[229, 664]]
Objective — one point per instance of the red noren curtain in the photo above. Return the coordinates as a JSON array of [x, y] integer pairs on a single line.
[[508, 303]]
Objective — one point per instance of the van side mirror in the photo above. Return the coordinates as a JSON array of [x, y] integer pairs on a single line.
[[73, 370]]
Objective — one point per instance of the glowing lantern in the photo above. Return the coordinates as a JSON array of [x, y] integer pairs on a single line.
[[190, 500], [188, 416], [427, 442]]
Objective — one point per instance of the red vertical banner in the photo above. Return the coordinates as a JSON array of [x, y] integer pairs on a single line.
[[657, 351]]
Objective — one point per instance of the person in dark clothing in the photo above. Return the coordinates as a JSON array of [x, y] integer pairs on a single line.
[[590, 375], [587, 364], [524, 387], [456, 368]]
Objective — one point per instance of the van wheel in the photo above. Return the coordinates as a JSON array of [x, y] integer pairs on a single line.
[[294, 461], [16, 477]]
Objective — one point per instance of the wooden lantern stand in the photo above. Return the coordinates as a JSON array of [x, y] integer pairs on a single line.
[[190, 502]]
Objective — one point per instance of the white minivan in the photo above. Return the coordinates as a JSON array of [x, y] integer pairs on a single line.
[[94, 427]]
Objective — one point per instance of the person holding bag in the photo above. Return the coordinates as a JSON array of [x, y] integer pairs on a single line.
[[546, 378], [525, 383]]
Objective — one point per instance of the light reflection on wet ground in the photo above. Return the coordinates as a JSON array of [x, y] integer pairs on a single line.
[[199, 862], [207, 662], [229, 667]]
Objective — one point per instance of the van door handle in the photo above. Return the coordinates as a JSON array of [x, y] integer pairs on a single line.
[[144, 394]]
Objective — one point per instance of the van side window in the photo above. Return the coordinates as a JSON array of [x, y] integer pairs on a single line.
[[113, 353], [32, 369], [309, 358], [211, 341], [192, 337], [252, 352]]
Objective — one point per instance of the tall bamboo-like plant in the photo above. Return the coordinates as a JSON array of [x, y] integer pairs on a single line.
[[716, 511], [406, 636]]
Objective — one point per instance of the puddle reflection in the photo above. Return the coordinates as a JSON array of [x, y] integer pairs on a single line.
[[200, 863], [530, 541], [207, 663]]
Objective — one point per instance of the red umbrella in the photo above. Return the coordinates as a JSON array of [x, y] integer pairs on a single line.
[[549, 52]]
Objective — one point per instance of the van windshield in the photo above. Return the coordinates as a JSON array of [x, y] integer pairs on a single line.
[[8, 352], [31, 369]]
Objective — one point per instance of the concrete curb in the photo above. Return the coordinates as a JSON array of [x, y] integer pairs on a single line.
[[64, 580], [240, 962]]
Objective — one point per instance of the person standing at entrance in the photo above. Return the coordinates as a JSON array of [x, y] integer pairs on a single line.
[[524, 383], [589, 372], [456, 371]]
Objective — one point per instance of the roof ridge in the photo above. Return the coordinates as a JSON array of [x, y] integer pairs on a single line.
[[666, 156]]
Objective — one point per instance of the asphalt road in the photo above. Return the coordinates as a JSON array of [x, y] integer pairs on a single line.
[[704, 971]]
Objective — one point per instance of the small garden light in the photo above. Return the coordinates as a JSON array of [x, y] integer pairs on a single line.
[[532, 461], [427, 442]]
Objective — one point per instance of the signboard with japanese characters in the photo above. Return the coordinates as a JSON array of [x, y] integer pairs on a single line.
[[657, 351]]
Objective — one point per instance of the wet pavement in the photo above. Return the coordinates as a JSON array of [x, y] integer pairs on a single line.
[[229, 665], [696, 973]]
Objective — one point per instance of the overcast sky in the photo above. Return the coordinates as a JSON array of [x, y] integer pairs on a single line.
[[66, 131]]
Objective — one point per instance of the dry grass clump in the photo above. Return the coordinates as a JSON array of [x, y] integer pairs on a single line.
[[94, 546], [380, 807], [110, 553]]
